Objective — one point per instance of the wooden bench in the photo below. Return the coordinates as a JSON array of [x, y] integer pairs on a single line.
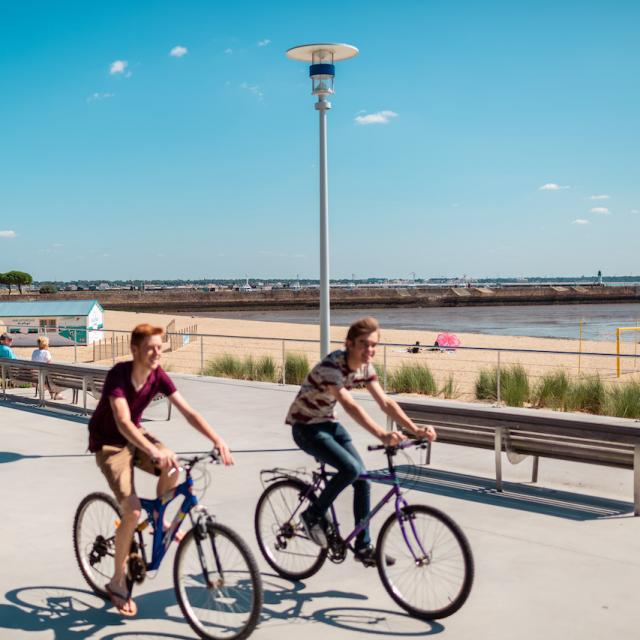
[[520, 433], [78, 378]]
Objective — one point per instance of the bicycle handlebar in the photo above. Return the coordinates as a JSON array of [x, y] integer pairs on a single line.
[[401, 445], [190, 462]]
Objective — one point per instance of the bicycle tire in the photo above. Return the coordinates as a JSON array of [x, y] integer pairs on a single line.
[[441, 581], [238, 593], [93, 539], [282, 541]]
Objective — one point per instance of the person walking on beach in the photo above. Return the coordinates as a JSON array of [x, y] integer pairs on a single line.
[[316, 430], [120, 443], [5, 347]]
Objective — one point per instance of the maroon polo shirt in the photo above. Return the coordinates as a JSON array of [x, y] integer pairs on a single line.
[[102, 426]]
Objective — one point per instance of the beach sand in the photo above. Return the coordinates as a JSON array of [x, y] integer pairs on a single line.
[[257, 338]]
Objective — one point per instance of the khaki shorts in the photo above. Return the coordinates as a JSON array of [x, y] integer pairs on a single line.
[[116, 463]]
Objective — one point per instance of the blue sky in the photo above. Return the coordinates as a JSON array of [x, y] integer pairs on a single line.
[[174, 139]]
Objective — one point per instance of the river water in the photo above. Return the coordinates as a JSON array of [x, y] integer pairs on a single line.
[[599, 321]]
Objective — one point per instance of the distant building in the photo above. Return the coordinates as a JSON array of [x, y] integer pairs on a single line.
[[79, 320]]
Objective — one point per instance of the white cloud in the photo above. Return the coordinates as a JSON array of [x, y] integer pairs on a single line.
[[253, 88], [118, 66], [99, 96], [602, 196], [601, 210], [381, 117], [228, 51], [264, 43], [580, 221], [8, 234], [552, 186], [178, 51], [634, 211]]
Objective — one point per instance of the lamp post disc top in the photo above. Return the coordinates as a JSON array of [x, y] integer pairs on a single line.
[[305, 52]]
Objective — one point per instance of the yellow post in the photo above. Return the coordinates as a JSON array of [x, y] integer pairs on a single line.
[[635, 349], [618, 352], [580, 345]]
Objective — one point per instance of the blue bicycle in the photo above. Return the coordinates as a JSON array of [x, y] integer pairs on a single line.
[[216, 579], [424, 559]]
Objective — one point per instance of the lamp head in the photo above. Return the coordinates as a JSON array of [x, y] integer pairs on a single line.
[[322, 58]]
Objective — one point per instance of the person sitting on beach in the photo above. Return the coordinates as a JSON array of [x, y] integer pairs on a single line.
[[316, 430], [42, 354], [415, 348], [119, 442], [5, 347]]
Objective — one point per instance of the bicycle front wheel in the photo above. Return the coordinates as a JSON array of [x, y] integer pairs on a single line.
[[94, 530], [425, 562], [281, 536], [217, 583]]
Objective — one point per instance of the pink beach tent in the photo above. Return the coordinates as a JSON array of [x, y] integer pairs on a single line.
[[447, 340]]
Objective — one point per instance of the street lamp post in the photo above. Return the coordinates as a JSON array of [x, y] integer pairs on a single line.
[[322, 71]]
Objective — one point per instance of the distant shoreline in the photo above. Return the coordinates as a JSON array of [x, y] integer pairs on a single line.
[[196, 300]]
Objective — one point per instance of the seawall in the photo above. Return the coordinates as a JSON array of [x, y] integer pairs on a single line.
[[192, 300]]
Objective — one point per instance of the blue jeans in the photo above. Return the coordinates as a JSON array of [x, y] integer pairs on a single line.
[[330, 443]]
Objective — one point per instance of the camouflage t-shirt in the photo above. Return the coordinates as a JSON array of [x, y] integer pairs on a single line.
[[314, 403]]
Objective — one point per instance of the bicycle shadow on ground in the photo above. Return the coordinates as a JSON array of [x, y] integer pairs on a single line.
[[295, 597], [78, 613], [74, 614], [524, 497]]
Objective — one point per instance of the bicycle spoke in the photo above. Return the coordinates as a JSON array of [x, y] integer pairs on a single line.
[[225, 603], [281, 537], [94, 539], [434, 583]]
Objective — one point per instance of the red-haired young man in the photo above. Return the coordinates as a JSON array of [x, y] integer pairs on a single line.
[[120, 443]]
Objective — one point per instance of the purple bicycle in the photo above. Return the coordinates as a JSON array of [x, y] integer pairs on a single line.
[[423, 557]]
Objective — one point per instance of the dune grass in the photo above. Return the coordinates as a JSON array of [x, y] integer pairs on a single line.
[[514, 385], [552, 391], [449, 388], [623, 400], [412, 378], [263, 369], [224, 366], [296, 367], [587, 394]]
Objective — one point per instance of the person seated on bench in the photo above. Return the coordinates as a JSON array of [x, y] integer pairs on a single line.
[[5, 347], [42, 354]]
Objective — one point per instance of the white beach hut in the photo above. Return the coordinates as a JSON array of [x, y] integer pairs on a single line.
[[78, 320]]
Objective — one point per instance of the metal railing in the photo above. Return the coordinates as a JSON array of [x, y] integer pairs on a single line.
[[455, 370]]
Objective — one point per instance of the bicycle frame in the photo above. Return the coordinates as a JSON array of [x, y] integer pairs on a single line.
[[320, 477], [155, 510]]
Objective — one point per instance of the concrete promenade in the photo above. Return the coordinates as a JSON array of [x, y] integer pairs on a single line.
[[557, 561]]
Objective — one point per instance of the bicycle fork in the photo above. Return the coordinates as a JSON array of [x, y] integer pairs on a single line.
[[420, 556], [204, 528]]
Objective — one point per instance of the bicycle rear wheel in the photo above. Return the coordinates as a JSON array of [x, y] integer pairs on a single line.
[[94, 529], [281, 536], [433, 570], [217, 583]]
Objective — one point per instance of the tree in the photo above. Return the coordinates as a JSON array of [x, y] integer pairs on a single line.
[[48, 288], [19, 278], [6, 281]]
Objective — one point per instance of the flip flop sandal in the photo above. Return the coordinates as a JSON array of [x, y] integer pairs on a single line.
[[125, 598]]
